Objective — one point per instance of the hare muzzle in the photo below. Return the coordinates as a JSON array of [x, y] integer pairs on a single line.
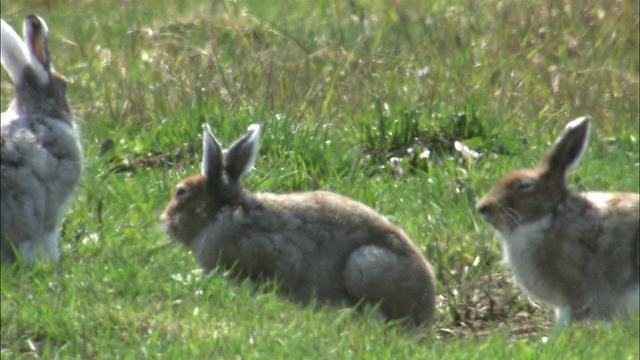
[[484, 212], [488, 211]]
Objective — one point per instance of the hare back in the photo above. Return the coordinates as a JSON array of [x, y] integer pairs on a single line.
[[48, 146], [41, 163], [302, 239], [59, 137], [584, 254]]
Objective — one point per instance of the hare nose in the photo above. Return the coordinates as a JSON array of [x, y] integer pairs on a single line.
[[484, 211]]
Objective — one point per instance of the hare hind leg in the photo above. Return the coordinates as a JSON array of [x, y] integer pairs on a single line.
[[50, 251], [8, 251], [401, 284]]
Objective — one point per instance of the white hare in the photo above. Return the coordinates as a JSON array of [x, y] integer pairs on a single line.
[[575, 252], [314, 243], [41, 159]]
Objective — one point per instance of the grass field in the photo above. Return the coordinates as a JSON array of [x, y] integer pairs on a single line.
[[351, 94]]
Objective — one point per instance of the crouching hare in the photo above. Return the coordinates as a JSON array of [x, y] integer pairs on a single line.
[[313, 243], [575, 252]]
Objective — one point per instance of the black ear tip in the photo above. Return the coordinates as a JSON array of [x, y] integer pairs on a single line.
[[34, 21]]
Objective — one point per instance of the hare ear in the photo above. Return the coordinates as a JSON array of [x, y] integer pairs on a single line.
[[243, 153], [15, 55], [211, 158], [36, 38], [568, 147]]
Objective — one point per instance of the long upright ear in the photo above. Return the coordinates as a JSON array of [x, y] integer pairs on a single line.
[[211, 159], [36, 37], [568, 148], [242, 154], [15, 55]]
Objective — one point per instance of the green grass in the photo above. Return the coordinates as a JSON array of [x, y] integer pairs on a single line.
[[341, 88]]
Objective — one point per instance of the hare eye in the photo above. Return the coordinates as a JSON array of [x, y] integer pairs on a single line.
[[181, 192], [524, 185]]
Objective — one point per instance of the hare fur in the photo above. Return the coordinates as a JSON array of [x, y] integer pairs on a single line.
[[316, 244], [575, 252], [41, 156]]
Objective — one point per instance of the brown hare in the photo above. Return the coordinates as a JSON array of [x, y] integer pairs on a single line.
[[313, 243], [575, 252]]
